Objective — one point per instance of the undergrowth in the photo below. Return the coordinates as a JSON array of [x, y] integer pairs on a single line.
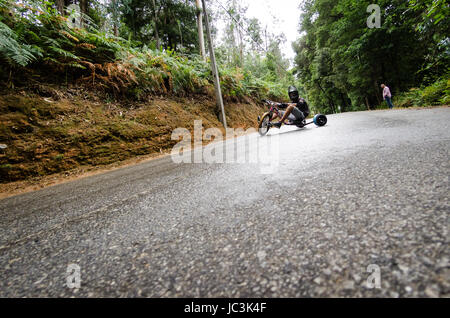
[[37, 45]]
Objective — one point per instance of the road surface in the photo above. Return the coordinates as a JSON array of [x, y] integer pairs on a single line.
[[357, 208]]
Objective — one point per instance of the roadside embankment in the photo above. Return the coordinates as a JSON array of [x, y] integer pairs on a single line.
[[77, 133]]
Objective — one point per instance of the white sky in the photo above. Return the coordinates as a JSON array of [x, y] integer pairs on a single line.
[[280, 16]]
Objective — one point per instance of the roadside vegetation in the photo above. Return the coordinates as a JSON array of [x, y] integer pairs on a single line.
[[436, 94], [341, 62], [39, 45]]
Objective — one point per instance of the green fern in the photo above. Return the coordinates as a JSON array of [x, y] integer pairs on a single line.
[[51, 42], [36, 33], [63, 53], [11, 50]]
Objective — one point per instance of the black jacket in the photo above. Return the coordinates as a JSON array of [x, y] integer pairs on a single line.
[[303, 106]]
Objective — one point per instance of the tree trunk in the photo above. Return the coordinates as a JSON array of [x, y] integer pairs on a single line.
[[241, 49], [201, 38], [155, 22], [60, 6], [181, 33], [115, 28], [237, 9], [84, 4], [376, 94], [344, 103], [265, 38]]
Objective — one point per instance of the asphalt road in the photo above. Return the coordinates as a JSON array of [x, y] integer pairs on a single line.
[[368, 191]]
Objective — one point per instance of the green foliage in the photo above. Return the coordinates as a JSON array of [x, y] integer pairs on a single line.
[[38, 38], [437, 93], [13, 52], [409, 98], [173, 20], [341, 62]]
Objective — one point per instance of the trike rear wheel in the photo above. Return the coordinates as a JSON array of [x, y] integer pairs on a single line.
[[320, 120]]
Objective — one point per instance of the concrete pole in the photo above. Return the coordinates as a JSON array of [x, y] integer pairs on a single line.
[[214, 67]]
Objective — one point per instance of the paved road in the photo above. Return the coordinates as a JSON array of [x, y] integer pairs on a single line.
[[371, 188]]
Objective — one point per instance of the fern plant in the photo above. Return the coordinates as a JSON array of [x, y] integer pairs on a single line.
[[35, 36], [13, 52]]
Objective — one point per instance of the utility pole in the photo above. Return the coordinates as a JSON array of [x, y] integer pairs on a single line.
[[201, 39], [214, 67]]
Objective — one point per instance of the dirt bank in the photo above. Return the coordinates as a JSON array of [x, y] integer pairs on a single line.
[[61, 137]]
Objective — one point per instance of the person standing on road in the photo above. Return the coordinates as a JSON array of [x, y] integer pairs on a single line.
[[387, 96]]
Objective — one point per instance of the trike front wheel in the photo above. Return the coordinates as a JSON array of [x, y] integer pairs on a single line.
[[264, 124]]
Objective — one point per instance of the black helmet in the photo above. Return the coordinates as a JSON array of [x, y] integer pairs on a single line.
[[293, 94]]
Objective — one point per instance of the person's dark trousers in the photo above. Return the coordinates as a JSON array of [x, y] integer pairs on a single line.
[[389, 102]]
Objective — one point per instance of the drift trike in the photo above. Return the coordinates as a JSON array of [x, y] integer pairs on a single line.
[[265, 121]]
